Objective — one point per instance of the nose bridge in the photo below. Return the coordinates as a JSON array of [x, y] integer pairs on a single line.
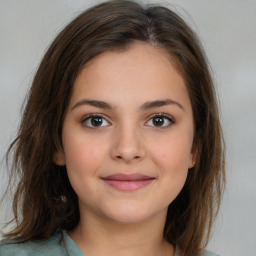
[[128, 144]]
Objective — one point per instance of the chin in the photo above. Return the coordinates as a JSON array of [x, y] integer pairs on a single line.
[[129, 214]]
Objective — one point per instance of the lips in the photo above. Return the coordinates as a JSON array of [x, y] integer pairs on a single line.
[[128, 182]]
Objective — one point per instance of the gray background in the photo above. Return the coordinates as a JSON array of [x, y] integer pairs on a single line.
[[227, 29]]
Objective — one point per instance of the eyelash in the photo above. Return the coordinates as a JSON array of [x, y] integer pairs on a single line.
[[159, 115], [86, 118], [164, 116]]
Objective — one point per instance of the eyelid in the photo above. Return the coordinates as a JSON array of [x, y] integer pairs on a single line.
[[164, 115], [85, 118]]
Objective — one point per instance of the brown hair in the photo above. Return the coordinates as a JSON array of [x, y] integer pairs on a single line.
[[44, 196]]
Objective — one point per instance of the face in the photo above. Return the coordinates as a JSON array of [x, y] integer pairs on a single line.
[[127, 135]]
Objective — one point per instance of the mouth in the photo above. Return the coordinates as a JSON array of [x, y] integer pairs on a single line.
[[128, 182]]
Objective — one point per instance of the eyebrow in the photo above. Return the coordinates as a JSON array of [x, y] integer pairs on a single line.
[[160, 103], [145, 106], [94, 103]]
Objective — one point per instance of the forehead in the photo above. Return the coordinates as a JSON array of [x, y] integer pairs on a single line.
[[127, 75]]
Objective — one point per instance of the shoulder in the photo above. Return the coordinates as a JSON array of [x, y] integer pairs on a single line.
[[52, 247], [203, 253], [208, 253]]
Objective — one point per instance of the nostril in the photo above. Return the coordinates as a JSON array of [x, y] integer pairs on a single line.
[[122, 157]]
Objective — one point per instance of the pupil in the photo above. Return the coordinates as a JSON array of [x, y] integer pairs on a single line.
[[96, 121], [158, 121]]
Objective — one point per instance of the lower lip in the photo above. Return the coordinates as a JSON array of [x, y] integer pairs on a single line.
[[125, 185]]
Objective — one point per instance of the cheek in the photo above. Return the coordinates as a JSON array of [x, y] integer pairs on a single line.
[[172, 154], [172, 162], [83, 158], [82, 162]]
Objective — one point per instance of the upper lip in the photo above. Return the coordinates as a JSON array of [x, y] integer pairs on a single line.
[[127, 177]]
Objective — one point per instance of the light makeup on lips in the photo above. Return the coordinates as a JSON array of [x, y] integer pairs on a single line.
[[128, 182]]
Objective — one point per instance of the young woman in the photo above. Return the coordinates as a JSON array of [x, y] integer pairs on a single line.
[[120, 150]]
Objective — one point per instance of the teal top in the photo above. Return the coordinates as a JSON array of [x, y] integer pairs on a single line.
[[50, 247]]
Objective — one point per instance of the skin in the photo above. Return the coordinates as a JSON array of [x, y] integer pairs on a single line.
[[115, 222]]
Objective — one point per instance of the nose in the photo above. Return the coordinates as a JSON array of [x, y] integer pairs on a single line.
[[127, 145]]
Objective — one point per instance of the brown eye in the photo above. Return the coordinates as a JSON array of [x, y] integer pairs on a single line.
[[160, 121], [95, 121]]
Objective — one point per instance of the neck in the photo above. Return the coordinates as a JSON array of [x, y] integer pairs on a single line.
[[96, 236]]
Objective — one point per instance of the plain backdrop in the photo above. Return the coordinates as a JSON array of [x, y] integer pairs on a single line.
[[227, 29]]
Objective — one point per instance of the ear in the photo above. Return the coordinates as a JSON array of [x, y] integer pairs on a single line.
[[59, 158], [193, 157]]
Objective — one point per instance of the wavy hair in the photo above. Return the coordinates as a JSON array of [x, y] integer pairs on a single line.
[[44, 197]]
